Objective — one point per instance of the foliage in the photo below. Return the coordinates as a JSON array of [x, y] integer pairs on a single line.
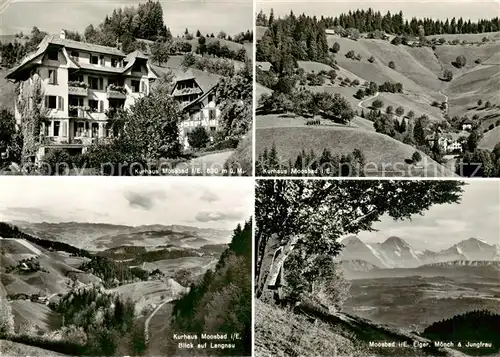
[[312, 164], [392, 65], [391, 87], [447, 75], [309, 216], [460, 61], [335, 48], [10, 139], [160, 52], [360, 94], [198, 138], [235, 99], [400, 111], [6, 318], [377, 104], [56, 162], [416, 157], [476, 325], [221, 302], [113, 273]]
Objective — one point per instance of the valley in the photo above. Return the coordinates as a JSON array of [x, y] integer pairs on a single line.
[[148, 266], [394, 285], [390, 100]]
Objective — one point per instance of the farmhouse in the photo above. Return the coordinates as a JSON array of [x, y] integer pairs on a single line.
[[265, 66], [467, 124], [83, 86]]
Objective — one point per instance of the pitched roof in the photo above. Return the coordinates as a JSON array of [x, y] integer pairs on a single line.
[[55, 40], [84, 46]]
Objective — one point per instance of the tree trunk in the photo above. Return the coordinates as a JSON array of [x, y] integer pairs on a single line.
[[276, 267]]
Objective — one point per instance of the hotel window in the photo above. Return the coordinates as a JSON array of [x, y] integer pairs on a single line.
[[53, 55], [211, 114], [210, 97], [114, 62], [94, 105], [96, 83], [135, 86], [101, 60], [75, 55], [143, 87], [94, 59], [57, 128], [51, 101], [53, 76]]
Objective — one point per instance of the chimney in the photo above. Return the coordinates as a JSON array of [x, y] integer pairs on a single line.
[[63, 34]]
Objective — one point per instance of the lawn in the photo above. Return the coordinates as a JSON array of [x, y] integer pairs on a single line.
[[381, 151]]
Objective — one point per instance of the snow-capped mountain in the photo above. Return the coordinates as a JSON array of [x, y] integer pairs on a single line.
[[397, 253], [356, 249], [357, 265]]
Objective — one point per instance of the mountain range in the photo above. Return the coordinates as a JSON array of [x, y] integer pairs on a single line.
[[397, 253]]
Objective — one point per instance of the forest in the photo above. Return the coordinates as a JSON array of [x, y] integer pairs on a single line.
[[222, 301], [370, 20]]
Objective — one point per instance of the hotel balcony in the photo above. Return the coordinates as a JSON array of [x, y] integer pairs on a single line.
[[77, 112], [116, 92], [78, 88]]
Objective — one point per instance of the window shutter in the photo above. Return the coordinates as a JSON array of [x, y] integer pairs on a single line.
[[46, 101], [101, 106], [101, 83], [55, 76], [61, 103], [64, 128]]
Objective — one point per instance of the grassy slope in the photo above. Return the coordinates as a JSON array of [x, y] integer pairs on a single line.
[[414, 75], [473, 37], [33, 314], [378, 148], [490, 139], [280, 332], [9, 348]]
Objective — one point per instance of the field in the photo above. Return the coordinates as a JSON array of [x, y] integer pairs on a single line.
[[196, 265], [419, 70], [389, 155], [148, 294], [414, 302]]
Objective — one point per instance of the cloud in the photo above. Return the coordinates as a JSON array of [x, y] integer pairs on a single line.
[[210, 216], [22, 213], [143, 200], [209, 196]]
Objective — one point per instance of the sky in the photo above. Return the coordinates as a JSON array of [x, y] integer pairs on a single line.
[[205, 202], [473, 9], [231, 16], [444, 225]]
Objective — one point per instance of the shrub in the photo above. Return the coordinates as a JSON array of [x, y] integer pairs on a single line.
[[392, 65], [416, 157], [350, 54], [198, 138], [460, 61], [389, 109], [487, 104], [396, 41], [478, 61], [435, 103], [411, 114], [56, 162], [355, 82], [492, 126], [479, 102], [371, 59], [313, 122], [335, 48], [360, 94], [447, 75], [400, 111], [377, 104]]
